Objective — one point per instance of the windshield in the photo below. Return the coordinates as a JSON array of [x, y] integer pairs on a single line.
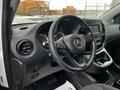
[[41, 10]]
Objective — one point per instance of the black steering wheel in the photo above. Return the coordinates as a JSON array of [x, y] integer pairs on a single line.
[[68, 51]]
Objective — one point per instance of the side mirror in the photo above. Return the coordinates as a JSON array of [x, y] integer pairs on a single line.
[[117, 19]]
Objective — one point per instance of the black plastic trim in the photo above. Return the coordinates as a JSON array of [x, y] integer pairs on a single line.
[[6, 33]]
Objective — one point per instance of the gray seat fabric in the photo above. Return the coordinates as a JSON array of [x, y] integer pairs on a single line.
[[99, 87]]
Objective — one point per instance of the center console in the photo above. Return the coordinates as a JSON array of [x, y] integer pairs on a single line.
[[103, 59], [99, 68]]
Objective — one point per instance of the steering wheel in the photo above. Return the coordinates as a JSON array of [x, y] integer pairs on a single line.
[[68, 51]]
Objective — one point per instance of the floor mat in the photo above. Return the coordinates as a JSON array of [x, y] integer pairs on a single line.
[[66, 86]]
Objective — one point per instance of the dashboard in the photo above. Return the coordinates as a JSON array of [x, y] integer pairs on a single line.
[[96, 27], [30, 50]]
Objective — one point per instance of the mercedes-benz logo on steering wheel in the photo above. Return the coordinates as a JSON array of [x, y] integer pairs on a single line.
[[77, 42]]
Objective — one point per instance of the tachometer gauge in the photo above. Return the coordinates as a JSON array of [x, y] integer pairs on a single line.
[[43, 40]]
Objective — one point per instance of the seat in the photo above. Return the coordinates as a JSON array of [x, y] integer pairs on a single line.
[[99, 87]]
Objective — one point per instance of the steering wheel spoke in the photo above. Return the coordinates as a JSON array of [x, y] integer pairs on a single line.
[[78, 62], [71, 59], [60, 44], [88, 38], [83, 61]]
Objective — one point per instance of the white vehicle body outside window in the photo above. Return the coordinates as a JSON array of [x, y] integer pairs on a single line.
[[3, 77]]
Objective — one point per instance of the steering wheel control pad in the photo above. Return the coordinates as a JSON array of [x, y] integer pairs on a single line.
[[75, 43]]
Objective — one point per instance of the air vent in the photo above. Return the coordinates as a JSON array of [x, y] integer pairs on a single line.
[[23, 28], [25, 47]]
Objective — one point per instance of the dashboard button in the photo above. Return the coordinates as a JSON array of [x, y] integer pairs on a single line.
[[36, 69], [35, 75]]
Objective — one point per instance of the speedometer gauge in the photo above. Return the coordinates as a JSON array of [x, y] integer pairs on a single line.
[[43, 40]]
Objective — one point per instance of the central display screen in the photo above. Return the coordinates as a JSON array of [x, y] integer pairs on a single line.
[[95, 28]]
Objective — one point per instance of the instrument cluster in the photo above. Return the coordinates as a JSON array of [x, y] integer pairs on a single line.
[[44, 40]]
